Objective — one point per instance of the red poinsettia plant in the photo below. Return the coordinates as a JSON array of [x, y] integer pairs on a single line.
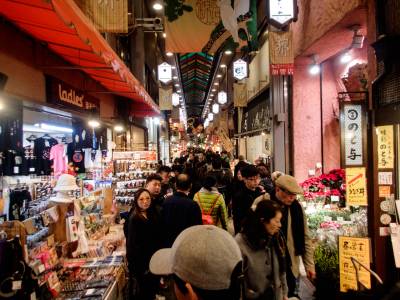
[[325, 185]]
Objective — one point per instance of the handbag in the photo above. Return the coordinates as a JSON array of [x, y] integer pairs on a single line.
[[206, 216]]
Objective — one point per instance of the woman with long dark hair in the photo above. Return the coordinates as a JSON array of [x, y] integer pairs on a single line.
[[143, 236], [263, 250]]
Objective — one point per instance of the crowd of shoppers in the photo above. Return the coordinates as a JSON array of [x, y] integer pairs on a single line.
[[200, 189]]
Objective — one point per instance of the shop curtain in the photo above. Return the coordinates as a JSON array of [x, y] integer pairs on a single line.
[[106, 15], [165, 96], [240, 94], [281, 52]]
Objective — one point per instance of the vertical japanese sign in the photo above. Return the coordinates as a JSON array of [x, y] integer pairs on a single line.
[[385, 147], [240, 94], [281, 52], [352, 128], [359, 248], [356, 187]]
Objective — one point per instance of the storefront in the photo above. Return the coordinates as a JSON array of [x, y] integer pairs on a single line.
[[58, 93]]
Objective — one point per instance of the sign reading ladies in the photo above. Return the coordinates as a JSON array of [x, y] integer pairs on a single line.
[[64, 95]]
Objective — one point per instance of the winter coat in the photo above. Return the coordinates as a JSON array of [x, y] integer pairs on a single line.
[[143, 238], [261, 271], [178, 213], [206, 200]]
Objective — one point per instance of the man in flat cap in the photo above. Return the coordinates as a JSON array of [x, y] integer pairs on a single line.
[[294, 228]]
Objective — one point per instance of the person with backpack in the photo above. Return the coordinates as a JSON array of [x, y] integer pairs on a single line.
[[212, 204]]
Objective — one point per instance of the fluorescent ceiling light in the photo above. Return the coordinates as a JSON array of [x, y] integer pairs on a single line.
[[314, 69], [175, 77], [119, 128], [223, 66], [164, 35], [169, 54], [219, 75], [157, 6], [345, 58], [228, 52], [55, 128], [94, 123]]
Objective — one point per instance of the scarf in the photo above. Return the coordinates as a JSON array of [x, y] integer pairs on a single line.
[[297, 217]]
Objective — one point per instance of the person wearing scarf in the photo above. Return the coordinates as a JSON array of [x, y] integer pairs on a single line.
[[263, 249], [295, 231]]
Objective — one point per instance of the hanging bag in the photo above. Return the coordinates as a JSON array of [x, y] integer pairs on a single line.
[[206, 216]]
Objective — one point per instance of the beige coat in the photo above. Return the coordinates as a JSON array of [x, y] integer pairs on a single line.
[[308, 257]]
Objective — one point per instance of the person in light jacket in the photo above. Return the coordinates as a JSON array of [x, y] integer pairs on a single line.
[[212, 202], [263, 249]]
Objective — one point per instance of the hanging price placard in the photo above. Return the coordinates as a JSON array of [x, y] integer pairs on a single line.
[[385, 147], [356, 187]]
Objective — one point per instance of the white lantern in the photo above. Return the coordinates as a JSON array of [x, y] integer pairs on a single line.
[[222, 98], [164, 72], [211, 116], [206, 123], [175, 99], [215, 108]]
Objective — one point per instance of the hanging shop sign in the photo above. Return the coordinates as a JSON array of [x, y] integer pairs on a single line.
[[164, 72], [356, 187], [281, 52], [385, 147], [165, 96], [350, 270], [281, 12], [353, 133], [62, 94], [240, 94], [240, 69], [225, 140]]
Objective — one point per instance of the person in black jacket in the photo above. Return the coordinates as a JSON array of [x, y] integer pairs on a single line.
[[143, 235], [245, 195], [179, 211]]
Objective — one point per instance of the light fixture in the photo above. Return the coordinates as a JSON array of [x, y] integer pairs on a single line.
[[215, 108], [223, 66], [314, 68], [1, 106], [222, 98], [179, 91], [211, 95], [175, 77], [213, 90], [228, 52], [55, 128], [177, 84], [169, 54], [175, 99], [157, 6], [164, 35], [345, 58], [206, 123], [118, 128], [210, 116], [216, 83], [94, 123], [173, 67], [219, 75], [263, 133]]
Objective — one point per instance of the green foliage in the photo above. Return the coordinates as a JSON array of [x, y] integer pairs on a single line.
[[326, 259]]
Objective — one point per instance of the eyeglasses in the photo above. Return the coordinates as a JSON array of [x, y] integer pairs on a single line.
[[287, 192]]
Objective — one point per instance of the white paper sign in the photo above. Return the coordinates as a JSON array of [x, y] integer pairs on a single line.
[[281, 11], [164, 72], [385, 178], [395, 237], [353, 143]]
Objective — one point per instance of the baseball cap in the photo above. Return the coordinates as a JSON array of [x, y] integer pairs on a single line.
[[203, 255], [289, 183]]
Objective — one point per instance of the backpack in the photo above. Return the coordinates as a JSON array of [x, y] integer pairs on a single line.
[[206, 216]]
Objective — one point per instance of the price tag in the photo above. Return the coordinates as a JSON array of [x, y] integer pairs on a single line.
[[16, 170], [340, 219], [32, 169], [41, 268], [335, 198], [327, 219], [16, 285]]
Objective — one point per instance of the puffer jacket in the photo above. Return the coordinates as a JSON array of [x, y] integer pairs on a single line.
[[206, 200]]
